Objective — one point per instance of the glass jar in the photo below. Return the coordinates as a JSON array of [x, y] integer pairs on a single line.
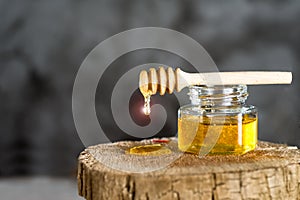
[[217, 121]]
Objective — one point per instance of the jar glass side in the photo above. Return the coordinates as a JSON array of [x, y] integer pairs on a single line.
[[221, 127]]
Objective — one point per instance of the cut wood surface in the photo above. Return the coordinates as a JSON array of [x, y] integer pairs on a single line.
[[272, 171]]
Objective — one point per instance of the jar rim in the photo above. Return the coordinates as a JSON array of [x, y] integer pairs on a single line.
[[217, 86], [218, 94], [218, 89]]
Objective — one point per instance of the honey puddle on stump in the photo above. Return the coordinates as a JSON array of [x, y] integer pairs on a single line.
[[149, 150]]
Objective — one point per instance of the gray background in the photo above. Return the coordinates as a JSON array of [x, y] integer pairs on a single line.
[[42, 44]]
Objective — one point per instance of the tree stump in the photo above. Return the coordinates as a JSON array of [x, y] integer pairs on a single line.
[[272, 171]]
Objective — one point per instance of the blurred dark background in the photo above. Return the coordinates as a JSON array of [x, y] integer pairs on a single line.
[[43, 43]]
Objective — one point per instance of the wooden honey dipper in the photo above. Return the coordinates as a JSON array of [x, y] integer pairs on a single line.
[[168, 80], [163, 80]]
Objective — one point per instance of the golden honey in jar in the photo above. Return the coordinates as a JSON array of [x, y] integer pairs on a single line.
[[217, 121]]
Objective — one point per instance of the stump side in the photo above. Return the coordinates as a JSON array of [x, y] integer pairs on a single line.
[[272, 171]]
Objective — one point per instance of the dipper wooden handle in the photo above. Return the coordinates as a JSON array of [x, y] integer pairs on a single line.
[[166, 80]]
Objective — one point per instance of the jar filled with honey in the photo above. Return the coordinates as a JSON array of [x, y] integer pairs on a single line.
[[217, 121]]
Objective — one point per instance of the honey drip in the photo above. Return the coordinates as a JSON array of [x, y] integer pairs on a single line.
[[231, 134], [149, 150], [147, 95], [147, 108]]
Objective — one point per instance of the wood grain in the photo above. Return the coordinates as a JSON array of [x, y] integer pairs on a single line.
[[272, 171], [233, 78], [163, 80]]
